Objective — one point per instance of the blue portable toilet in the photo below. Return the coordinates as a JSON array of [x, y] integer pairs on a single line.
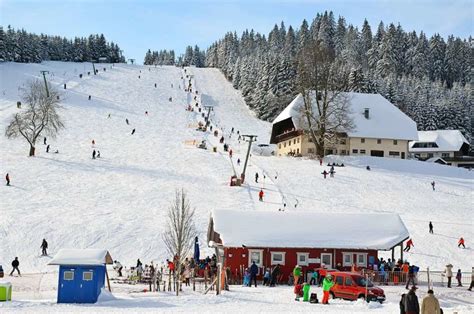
[[82, 274]]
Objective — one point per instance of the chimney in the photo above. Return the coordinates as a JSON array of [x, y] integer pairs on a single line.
[[366, 113]]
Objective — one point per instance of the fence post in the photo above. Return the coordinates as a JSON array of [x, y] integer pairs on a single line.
[[428, 275]]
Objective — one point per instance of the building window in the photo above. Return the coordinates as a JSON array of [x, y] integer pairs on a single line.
[[355, 151], [294, 141], [284, 144], [310, 150], [362, 259], [279, 146], [362, 151], [302, 259], [310, 139], [278, 258], [394, 154], [68, 275], [395, 142], [298, 139], [298, 151], [343, 152], [444, 154], [379, 141], [289, 143], [362, 140], [255, 256], [87, 276], [326, 259], [347, 259], [430, 155]]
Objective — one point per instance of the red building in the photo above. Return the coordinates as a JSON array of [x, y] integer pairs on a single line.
[[308, 239]]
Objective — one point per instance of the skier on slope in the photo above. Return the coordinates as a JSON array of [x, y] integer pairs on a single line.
[[260, 195], [126, 120], [324, 173], [7, 178], [93, 154], [461, 242], [133, 131], [433, 185], [238, 161], [409, 245], [256, 177], [47, 148], [431, 227], [230, 153], [44, 247]]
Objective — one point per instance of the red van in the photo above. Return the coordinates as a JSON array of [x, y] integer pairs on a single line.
[[352, 286]]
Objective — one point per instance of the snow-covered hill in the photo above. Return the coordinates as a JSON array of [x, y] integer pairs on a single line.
[[118, 202]]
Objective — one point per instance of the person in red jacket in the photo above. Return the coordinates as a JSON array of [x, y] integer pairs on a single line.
[[230, 153], [260, 196], [409, 245], [7, 177], [461, 242]]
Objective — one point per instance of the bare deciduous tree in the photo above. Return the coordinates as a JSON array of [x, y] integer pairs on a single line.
[[322, 80], [180, 231], [40, 116]]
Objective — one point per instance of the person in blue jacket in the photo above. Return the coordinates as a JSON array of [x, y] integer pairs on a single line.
[[253, 274]]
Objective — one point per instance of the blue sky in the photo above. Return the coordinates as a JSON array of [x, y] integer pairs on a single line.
[[142, 24]]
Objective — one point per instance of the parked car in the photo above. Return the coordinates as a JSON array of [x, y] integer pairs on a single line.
[[264, 149], [352, 286]]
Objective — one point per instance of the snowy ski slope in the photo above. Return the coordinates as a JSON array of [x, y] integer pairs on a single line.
[[118, 202]]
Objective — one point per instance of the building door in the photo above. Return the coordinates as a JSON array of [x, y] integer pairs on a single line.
[[403, 155], [87, 285], [67, 285], [376, 153], [326, 259]]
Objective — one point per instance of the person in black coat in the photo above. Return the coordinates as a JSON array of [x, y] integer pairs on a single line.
[[431, 227], [410, 302], [44, 247], [275, 274], [253, 274], [15, 265]]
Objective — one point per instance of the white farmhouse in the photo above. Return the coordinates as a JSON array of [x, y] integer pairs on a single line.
[[380, 129]]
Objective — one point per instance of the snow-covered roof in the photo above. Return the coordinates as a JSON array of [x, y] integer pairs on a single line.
[[81, 257], [446, 140], [308, 229], [385, 119]]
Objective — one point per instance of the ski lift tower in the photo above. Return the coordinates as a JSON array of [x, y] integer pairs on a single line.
[[209, 109], [250, 139], [45, 83]]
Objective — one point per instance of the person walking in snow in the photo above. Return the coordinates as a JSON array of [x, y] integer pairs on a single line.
[[461, 242], [98, 154], [47, 148], [7, 178], [324, 173], [15, 265], [44, 247], [126, 121], [253, 274], [332, 172], [44, 140], [133, 131], [93, 154], [260, 196], [433, 185], [431, 227], [256, 177], [238, 161], [275, 273], [459, 277], [410, 303], [327, 285], [411, 276], [430, 304], [230, 153], [409, 245], [93, 143], [448, 272], [296, 274]]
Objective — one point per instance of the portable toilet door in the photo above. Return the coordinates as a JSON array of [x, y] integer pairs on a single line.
[[67, 288], [88, 292]]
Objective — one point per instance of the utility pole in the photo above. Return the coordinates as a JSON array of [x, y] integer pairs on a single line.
[[131, 60], [45, 83], [250, 139]]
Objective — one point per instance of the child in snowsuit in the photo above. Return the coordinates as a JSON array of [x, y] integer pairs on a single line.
[[260, 196], [327, 285], [459, 277], [298, 290], [266, 277]]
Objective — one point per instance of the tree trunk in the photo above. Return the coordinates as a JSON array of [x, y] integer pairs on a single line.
[[32, 150]]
